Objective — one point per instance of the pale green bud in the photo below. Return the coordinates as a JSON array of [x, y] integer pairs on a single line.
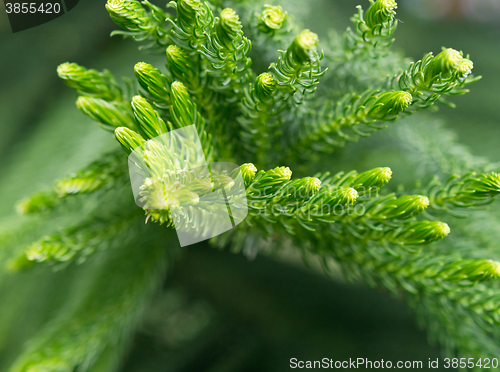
[[303, 48], [265, 86], [152, 80], [402, 207], [283, 172], [182, 108], [111, 114], [346, 196], [90, 82], [270, 181], [129, 139], [129, 15], [390, 104], [483, 187], [465, 68], [178, 61], [377, 177], [380, 13], [424, 232], [473, 270], [188, 12], [447, 65], [312, 185], [228, 28], [272, 18], [149, 120], [299, 189], [248, 171]]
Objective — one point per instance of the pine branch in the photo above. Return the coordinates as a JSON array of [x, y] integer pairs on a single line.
[[460, 193], [298, 70], [433, 77], [155, 86], [274, 101], [194, 19], [354, 116], [423, 84], [101, 174], [142, 25], [90, 83], [101, 97], [217, 52], [109, 115], [269, 27], [361, 59], [76, 244], [372, 33], [98, 315], [304, 209], [226, 50]]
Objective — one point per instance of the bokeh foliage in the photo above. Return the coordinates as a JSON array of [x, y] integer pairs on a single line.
[[404, 138]]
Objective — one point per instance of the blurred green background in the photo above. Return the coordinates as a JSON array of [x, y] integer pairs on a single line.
[[218, 311]]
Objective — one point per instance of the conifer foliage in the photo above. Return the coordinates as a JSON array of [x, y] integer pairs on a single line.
[[314, 98]]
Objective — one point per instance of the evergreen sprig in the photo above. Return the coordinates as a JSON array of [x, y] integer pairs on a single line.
[[353, 116], [227, 50], [461, 192], [74, 244], [275, 98], [372, 30], [89, 82], [142, 24], [101, 174], [433, 77], [97, 316]]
